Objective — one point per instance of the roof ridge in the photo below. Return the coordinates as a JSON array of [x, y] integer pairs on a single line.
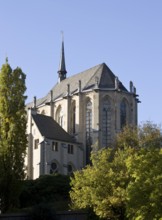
[[85, 70], [99, 76]]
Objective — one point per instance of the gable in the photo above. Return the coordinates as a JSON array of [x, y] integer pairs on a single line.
[[50, 129]]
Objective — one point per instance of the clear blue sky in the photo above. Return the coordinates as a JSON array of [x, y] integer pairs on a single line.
[[125, 34]]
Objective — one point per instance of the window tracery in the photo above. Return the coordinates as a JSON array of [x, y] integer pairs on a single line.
[[106, 122], [54, 168], [73, 118], [89, 122], [123, 113]]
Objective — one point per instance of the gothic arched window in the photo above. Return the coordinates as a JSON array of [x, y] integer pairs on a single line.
[[54, 167], [73, 117], [59, 116], [89, 122], [88, 129], [106, 122], [123, 113]]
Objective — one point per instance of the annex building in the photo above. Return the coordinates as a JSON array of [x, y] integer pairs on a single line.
[[81, 113]]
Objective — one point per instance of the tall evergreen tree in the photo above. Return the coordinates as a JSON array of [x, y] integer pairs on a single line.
[[13, 140]]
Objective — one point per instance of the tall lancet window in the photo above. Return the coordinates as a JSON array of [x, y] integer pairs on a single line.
[[89, 122], [106, 122], [123, 113], [88, 129], [59, 116], [73, 118]]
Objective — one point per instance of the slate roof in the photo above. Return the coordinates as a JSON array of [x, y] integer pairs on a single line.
[[100, 73], [49, 128]]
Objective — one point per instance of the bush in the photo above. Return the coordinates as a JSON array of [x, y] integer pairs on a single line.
[[48, 189]]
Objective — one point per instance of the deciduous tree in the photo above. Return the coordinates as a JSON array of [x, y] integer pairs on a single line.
[[123, 182], [13, 140], [144, 192]]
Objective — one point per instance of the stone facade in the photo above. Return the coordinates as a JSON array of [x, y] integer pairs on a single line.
[[91, 107]]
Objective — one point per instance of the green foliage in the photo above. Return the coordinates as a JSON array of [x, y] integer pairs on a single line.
[[128, 138], [144, 193], [103, 185], [10, 189], [13, 140], [123, 182], [150, 136], [48, 189]]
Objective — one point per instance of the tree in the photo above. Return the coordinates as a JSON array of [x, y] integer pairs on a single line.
[[111, 185], [102, 186], [13, 139], [145, 135], [144, 192]]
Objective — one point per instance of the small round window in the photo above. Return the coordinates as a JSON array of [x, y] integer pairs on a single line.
[[54, 167]]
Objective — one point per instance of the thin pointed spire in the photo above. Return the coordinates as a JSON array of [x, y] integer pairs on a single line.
[[62, 68]]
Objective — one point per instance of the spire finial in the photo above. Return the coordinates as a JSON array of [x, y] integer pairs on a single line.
[[62, 35], [62, 68]]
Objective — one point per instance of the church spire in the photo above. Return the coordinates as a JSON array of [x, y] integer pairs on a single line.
[[62, 68]]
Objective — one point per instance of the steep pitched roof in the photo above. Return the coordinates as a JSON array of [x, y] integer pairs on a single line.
[[100, 75], [49, 128]]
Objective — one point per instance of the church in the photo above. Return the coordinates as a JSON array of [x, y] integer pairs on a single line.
[[80, 114]]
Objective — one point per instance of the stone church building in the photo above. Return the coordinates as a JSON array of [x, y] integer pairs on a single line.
[[80, 113]]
